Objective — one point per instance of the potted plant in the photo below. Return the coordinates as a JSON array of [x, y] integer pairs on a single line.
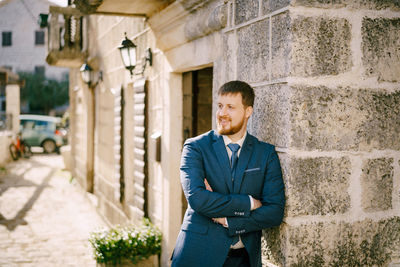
[[127, 245]]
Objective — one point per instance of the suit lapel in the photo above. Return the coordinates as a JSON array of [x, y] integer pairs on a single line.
[[244, 158], [223, 159]]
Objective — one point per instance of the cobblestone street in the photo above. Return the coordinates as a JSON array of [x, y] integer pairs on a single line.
[[45, 220]]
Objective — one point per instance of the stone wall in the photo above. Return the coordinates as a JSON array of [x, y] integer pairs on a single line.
[[326, 77], [331, 104]]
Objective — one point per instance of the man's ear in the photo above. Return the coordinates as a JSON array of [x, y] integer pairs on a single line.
[[249, 111]]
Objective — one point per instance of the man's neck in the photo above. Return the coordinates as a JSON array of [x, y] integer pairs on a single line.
[[237, 136]]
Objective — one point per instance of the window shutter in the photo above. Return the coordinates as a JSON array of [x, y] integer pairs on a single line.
[[140, 148], [39, 37], [6, 38]]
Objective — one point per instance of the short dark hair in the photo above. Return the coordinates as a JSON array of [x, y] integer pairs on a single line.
[[234, 87]]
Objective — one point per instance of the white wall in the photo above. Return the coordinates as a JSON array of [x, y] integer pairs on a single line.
[[21, 18]]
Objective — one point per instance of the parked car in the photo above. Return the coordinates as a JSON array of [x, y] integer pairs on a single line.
[[43, 131]]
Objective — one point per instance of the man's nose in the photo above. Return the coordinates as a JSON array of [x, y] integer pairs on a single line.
[[223, 111]]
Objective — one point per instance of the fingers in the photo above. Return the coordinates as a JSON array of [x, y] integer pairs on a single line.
[[257, 203], [208, 187], [221, 221]]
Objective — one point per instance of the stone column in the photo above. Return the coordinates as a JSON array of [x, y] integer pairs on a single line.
[[326, 76], [340, 135], [13, 105]]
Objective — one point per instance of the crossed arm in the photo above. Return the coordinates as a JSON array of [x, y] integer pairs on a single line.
[[236, 208], [223, 221]]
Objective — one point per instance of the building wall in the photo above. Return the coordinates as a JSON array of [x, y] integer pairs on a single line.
[[21, 18], [12, 107], [325, 76], [326, 81]]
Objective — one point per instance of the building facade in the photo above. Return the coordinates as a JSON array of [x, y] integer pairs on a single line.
[[326, 76], [9, 111], [23, 42]]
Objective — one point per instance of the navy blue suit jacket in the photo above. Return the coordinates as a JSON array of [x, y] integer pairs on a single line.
[[201, 242]]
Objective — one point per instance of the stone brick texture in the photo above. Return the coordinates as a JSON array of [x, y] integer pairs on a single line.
[[246, 10], [321, 46], [273, 245], [318, 186], [377, 184], [227, 69], [270, 120], [364, 4], [269, 6], [253, 52], [362, 243], [280, 46], [344, 119], [380, 47]]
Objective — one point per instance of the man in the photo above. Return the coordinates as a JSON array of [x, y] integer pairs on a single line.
[[233, 184]]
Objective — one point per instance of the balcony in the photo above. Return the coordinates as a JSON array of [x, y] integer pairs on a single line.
[[67, 46], [122, 7]]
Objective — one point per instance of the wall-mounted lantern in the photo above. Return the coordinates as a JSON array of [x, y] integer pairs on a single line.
[[128, 55], [89, 75]]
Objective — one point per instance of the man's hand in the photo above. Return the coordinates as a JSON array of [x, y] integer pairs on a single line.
[[257, 203], [221, 221], [208, 187]]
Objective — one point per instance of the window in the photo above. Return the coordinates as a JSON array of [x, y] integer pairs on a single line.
[[10, 68], [39, 37], [39, 70], [6, 38], [2, 104]]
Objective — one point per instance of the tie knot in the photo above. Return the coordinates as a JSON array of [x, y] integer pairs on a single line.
[[233, 147]]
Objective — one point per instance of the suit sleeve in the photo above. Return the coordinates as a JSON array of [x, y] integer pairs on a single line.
[[273, 202], [210, 204]]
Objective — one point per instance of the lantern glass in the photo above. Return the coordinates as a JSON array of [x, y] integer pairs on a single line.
[[128, 53], [132, 55], [125, 56], [86, 72]]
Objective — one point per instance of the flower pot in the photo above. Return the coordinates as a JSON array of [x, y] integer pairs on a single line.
[[152, 261]]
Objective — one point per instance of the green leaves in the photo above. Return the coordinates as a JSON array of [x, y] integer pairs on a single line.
[[43, 94], [129, 242]]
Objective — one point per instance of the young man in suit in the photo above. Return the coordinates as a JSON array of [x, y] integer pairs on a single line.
[[233, 184]]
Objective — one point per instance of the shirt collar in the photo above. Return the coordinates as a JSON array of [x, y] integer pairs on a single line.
[[240, 142]]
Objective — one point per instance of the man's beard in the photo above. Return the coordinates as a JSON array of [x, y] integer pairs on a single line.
[[232, 129]]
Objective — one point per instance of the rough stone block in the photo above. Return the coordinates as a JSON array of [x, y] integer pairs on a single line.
[[280, 48], [270, 120], [344, 119], [273, 245], [380, 47], [363, 243], [269, 6], [321, 46], [377, 184], [318, 186], [356, 4], [228, 56], [245, 10], [253, 52]]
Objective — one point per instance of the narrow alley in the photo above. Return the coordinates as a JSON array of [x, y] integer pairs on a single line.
[[45, 220]]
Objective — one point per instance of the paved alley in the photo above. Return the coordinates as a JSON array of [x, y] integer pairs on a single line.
[[45, 220]]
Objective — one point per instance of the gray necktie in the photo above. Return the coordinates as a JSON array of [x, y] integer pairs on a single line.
[[234, 158]]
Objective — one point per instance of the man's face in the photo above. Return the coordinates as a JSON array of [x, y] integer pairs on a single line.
[[232, 115]]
